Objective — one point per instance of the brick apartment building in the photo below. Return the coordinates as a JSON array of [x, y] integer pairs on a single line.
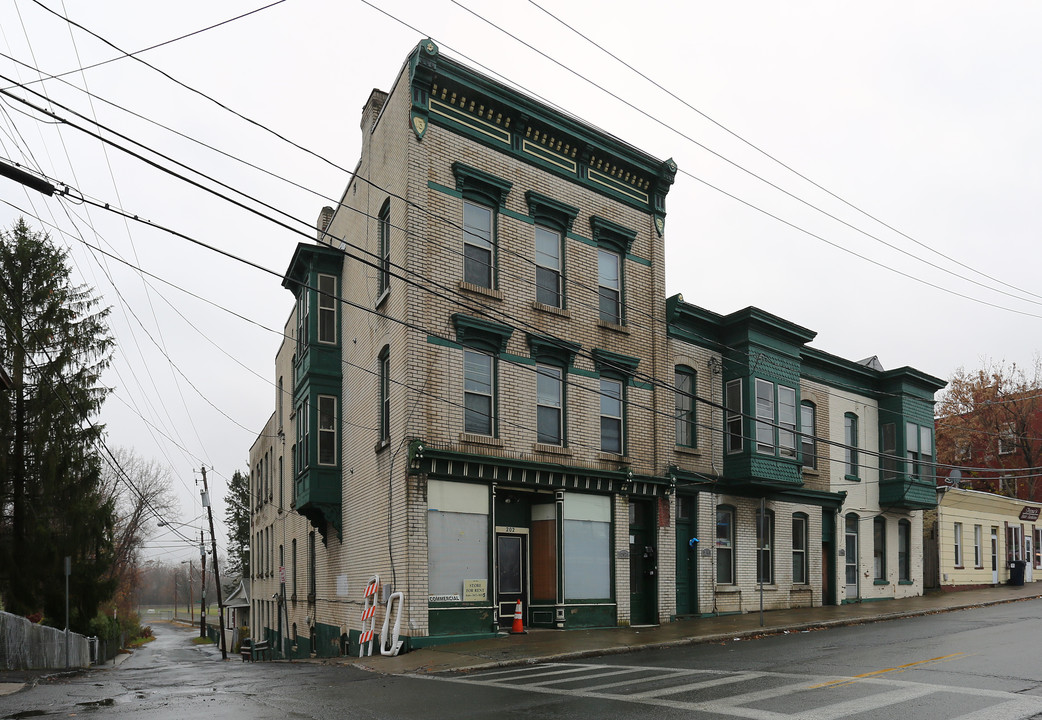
[[488, 398]]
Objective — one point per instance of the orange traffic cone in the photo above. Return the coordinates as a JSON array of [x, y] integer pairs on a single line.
[[519, 626]]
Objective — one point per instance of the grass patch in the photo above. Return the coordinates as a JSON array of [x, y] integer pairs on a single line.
[[202, 641], [138, 642]]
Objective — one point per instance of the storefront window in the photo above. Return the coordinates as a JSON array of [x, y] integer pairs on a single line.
[[587, 547]]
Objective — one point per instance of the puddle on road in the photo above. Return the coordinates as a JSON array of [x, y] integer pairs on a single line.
[[107, 702]]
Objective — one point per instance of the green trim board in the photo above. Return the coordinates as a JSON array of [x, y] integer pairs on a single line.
[[444, 462]]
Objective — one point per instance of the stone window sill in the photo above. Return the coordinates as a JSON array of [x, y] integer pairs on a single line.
[[478, 290]]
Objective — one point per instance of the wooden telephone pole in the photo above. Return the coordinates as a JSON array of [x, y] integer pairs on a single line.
[[216, 572]]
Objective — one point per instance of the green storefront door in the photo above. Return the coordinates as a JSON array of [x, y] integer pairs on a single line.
[[687, 556], [643, 563]]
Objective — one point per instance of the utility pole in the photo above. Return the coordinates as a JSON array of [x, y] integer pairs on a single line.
[[202, 604], [216, 572]]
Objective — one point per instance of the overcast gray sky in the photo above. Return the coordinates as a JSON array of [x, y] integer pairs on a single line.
[[914, 125]]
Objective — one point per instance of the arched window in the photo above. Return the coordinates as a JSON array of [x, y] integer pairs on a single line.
[[765, 547], [800, 574], [850, 464], [725, 544], [686, 389]]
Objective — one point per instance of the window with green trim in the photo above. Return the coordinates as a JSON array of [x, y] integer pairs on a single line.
[[904, 545], [477, 244], [327, 434], [548, 287], [550, 404], [808, 436], [733, 402], [765, 547], [327, 309], [775, 419], [303, 316], [684, 409], [725, 545], [478, 392], [611, 416], [799, 549], [303, 435], [919, 449], [609, 286], [879, 547], [850, 466]]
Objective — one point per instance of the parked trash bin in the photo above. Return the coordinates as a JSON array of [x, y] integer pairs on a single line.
[[1016, 572]]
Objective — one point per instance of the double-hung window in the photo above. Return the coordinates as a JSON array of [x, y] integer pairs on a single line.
[[327, 309], [957, 538], [808, 436], [303, 319], [725, 545], [611, 416], [904, 546], [1007, 439], [477, 244], [733, 402], [978, 549], [385, 394], [765, 547], [327, 430], [684, 383], [550, 404], [553, 221], [384, 224], [613, 243], [609, 286], [879, 548], [919, 449], [799, 549], [775, 419], [303, 435], [850, 467], [483, 195], [547, 266], [478, 392]]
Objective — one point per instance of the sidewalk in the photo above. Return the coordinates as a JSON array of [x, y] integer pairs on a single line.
[[548, 645]]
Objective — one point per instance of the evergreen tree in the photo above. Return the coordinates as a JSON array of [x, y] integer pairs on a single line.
[[237, 518], [55, 343]]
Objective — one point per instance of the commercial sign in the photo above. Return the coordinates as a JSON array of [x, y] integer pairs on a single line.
[[1030, 514]]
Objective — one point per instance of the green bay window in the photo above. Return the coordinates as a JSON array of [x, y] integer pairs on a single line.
[[327, 299], [733, 402], [327, 431]]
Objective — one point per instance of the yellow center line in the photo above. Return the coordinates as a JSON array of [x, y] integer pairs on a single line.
[[899, 668]]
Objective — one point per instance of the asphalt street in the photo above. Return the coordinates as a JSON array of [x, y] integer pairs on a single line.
[[977, 664]]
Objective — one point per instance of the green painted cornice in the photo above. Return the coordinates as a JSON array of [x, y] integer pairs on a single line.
[[472, 330], [608, 361], [606, 232], [693, 324], [545, 207], [307, 258], [755, 326], [562, 351], [912, 382], [454, 96]]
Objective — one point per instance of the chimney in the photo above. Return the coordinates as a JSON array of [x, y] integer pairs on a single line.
[[372, 108], [322, 224]]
